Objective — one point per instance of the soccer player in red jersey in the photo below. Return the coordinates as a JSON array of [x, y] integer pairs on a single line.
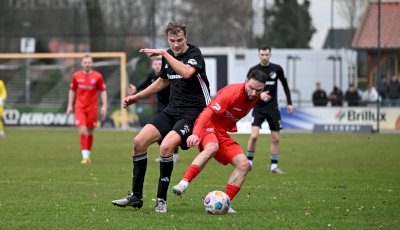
[[230, 104], [85, 85]]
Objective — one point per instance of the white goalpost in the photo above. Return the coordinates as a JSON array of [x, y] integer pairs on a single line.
[[10, 70]]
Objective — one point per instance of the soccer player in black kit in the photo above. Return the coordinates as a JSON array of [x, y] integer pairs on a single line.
[[269, 110], [163, 95], [183, 68]]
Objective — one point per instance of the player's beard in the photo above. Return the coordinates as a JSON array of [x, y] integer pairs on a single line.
[[264, 62], [87, 70]]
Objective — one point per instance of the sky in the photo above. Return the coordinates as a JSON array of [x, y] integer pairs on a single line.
[[320, 11]]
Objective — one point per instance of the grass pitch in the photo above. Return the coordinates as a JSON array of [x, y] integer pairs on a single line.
[[331, 182]]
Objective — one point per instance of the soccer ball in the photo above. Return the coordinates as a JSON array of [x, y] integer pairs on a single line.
[[217, 203]]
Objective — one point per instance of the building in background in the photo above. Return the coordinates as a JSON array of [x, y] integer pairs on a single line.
[[365, 42]]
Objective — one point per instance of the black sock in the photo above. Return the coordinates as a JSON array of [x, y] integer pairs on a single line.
[[274, 158], [138, 173], [250, 155], [166, 167]]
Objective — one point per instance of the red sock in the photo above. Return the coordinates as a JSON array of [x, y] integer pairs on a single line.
[[191, 172], [231, 190], [90, 142], [83, 141]]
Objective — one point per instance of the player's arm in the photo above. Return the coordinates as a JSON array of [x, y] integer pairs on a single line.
[[3, 91], [71, 96], [217, 106], [133, 89], [144, 84], [204, 117], [285, 85], [185, 70], [155, 87], [103, 110]]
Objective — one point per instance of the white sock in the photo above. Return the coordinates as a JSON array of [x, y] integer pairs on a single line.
[[274, 166], [85, 153], [184, 184]]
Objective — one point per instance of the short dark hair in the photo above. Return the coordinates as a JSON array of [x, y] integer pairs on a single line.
[[87, 56], [264, 48], [258, 76], [156, 58], [174, 27]]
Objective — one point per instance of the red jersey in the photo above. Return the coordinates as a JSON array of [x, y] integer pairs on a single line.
[[229, 106], [86, 87]]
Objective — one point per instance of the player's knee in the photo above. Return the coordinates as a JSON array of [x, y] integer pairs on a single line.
[[167, 149], [139, 144], [243, 165], [253, 137], [275, 140]]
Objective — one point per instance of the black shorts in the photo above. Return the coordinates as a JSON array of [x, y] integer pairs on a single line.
[[180, 123], [272, 115]]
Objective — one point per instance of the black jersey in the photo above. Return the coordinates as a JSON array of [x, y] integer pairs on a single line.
[[191, 93], [162, 96], [274, 73]]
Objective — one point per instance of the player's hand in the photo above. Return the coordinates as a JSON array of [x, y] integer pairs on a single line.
[[192, 140], [152, 52], [69, 110], [265, 96], [290, 108], [132, 89], [103, 111], [129, 100]]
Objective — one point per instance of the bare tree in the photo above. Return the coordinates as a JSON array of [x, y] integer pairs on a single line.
[[217, 23], [351, 10], [95, 24]]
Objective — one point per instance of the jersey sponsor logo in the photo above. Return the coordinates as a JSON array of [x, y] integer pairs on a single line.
[[270, 83], [216, 107], [86, 87], [80, 80], [92, 81], [230, 116], [237, 109], [272, 75], [192, 62], [174, 76], [185, 129], [210, 129]]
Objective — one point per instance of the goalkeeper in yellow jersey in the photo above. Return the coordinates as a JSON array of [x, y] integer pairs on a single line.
[[3, 96]]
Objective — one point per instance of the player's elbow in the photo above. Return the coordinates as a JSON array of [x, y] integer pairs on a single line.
[[186, 74]]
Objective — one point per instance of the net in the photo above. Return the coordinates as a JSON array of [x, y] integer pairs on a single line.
[[40, 82]]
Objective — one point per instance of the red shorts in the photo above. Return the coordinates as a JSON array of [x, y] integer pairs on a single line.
[[228, 148], [86, 118]]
